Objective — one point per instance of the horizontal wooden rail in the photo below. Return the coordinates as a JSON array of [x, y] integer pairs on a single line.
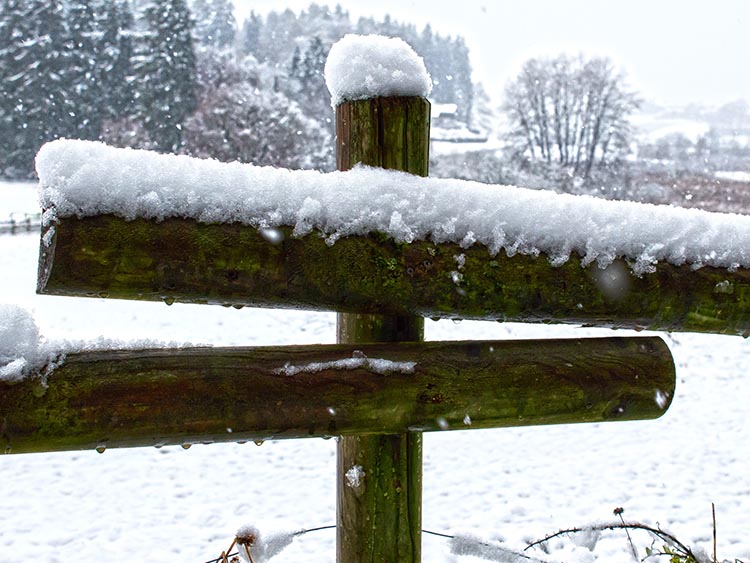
[[185, 396], [186, 261]]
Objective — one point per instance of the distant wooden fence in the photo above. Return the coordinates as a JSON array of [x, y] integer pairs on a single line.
[[20, 223]]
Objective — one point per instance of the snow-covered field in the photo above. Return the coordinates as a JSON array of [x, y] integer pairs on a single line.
[[650, 128], [17, 199], [170, 504], [734, 176]]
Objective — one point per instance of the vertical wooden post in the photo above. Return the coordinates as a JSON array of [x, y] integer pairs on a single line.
[[379, 490]]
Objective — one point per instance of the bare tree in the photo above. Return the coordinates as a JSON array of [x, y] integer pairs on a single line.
[[569, 112]]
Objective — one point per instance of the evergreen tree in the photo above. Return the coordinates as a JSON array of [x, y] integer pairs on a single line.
[[96, 71], [439, 67], [167, 72], [115, 65], [215, 25], [311, 90], [425, 43], [460, 79], [32, 74], [11, 28], [482, 118], [251, 30], [294, 66], [84, 104]]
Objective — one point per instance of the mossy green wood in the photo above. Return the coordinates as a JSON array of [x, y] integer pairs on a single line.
[[194, 395], [233, 264], [380, 518], [383, 474], [392, 133]]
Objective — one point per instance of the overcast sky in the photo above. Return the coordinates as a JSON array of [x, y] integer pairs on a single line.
[[672, 51]]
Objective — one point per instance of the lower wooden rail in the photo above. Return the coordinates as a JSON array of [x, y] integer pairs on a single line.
[[198, 395]]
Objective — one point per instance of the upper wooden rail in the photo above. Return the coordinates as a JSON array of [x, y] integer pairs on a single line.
[[187, 261]]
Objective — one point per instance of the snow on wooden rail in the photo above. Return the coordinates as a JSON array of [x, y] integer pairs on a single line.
[[133, 224], [83, 179]]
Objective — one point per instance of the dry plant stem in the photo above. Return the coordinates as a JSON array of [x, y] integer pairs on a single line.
[[247, 551], [225, 554], [630, 540], [713, 518], [665, 536]]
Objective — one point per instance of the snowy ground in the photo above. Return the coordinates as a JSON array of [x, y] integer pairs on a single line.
[[734, 176], [181, 505]]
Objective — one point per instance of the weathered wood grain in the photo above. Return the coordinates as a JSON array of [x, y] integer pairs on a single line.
[[195, 395], [192, 262], [381, 518]]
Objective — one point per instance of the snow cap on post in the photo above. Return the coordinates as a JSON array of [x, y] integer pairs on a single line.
[[360, 67]]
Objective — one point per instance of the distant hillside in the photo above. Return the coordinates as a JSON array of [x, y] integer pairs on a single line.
[[731, 122]]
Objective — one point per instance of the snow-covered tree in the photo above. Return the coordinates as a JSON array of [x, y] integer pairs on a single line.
[[32, 74], [11, 30], [84, 107], [250, 37], [243, 119], [126, 131], [115, 59], [482, 117], [459, 78], [215, 25], [166, 70], [125, 71], [569, 112], [309, 86]]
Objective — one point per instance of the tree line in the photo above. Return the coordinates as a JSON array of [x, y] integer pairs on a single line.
[[178, 76], [83, 69]]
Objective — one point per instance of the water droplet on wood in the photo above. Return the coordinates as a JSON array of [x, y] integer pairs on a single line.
[[274, 236], [724, 287]]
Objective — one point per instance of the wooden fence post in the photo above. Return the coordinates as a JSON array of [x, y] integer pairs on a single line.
[[379, 488]]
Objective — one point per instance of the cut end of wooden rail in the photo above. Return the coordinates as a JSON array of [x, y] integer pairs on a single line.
[[203, 395], [231, 264]]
